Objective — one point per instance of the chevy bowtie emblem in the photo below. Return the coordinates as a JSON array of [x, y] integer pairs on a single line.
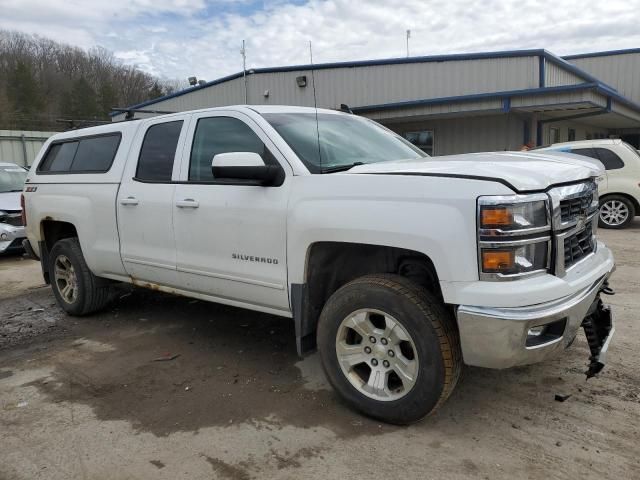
[[582, 219]]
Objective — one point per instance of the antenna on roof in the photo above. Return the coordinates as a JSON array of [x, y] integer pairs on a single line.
[[315, 103], [345, 108], [408, 37]]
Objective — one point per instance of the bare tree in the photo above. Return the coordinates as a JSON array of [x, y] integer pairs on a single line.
[[42, 81]]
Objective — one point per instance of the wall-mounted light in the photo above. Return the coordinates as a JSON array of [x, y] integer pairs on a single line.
[[266, 94], [301, 81]]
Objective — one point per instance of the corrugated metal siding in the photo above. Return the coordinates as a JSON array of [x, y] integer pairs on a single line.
[[622, 72], [561, 98], [12, 149], [488, 105], [555, 76], [367, 85], [471, 134]]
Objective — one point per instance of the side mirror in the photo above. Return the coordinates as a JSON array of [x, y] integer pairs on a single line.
[[244, 166]]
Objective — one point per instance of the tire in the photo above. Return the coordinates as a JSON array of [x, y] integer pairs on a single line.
[[91, 293], [430, 329], [616, 211]]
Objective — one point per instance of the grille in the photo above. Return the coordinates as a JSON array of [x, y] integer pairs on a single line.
[[572, 207], [578, 246], [14, 219]]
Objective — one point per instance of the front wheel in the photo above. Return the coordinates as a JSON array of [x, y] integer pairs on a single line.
[[389, 348], [616, 211]]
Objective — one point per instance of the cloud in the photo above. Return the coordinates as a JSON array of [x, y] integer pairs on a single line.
[[178, 38]]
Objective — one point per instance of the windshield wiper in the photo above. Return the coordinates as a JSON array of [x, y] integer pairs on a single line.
[[340, 168]]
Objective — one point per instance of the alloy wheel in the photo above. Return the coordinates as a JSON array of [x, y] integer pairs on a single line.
[[614, 212], [66, 279], [377, 355]]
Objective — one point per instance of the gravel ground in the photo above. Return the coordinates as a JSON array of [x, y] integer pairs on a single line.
[[167, 387]]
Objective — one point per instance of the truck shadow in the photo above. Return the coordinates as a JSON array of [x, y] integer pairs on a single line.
[[167, 364]]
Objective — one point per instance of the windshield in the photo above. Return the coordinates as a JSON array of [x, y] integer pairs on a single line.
[[344, 140], [12, 178]]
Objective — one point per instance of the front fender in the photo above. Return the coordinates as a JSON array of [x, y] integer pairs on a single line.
[[429, 215]]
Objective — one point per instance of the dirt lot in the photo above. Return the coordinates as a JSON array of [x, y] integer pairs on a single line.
[[90, 398]]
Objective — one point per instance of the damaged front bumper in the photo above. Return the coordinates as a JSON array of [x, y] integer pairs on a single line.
[[11, 237], [510, 336]]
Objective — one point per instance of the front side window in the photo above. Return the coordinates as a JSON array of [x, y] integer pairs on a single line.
[[326, 141], [422, 139], [609, 159], [216, 135], [12, 178], [158, 152]]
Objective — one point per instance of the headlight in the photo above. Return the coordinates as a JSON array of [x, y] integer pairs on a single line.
[[513, 236]]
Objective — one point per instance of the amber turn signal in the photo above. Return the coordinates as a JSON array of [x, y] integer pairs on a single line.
[[495, 217], [496, 261]]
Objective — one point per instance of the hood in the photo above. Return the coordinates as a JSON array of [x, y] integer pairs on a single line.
[[10, 201], [522, 171]]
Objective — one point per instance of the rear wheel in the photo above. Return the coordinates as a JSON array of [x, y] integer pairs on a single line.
[[389, 348], [616, 211], [77, 290]]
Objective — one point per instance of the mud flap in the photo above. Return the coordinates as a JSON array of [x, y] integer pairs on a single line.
[[599, 329]]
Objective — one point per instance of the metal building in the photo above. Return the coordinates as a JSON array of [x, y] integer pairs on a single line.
[[621, 70], [21, 147], [445, 104]]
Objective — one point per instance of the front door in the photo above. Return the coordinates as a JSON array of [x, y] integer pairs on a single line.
[[145, 202], [230, 237]]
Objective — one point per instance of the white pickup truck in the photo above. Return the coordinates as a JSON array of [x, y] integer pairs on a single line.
[[396, 266]]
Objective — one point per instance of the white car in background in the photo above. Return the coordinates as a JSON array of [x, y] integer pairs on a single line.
[[620, 187], [12, 234]]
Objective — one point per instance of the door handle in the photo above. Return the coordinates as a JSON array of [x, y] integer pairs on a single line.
[[129, 201], [187, 203]]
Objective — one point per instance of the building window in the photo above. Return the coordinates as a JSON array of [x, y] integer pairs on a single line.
[[554, 135], [422, 139], [572, 135]]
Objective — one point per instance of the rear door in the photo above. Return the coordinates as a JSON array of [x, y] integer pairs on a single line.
[[145, 201], [231, 237]]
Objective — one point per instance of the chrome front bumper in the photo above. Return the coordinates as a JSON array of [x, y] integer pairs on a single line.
[[500, 337], [11, 237]]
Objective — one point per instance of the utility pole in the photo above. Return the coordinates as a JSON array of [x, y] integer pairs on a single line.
[[408, 37], [243, 52]]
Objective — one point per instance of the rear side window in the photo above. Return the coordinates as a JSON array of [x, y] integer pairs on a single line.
[[84, 155], [158, 151], [587, 152], [609, 159], [59, 157]]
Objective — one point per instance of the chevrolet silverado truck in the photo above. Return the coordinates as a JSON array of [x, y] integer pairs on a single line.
[[396, 266]]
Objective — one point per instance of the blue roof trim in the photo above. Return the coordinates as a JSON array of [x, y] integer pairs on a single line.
[[606, 53], [476, 96]]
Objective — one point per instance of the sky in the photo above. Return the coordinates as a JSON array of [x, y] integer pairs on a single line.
[[175, 39]]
